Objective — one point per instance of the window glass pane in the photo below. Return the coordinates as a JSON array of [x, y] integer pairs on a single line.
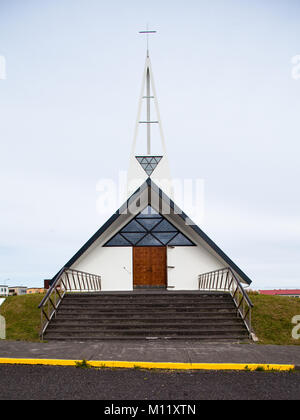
[[180, 240], [149, 212], [149, 223], [118, 240], [164, 237], [165, 226], [133, 237], [149, 240], [133, 227]]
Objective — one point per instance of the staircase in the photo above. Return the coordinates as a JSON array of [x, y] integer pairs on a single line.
[[144, 315]]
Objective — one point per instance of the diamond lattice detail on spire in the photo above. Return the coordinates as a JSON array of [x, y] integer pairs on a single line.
[[149, 163]]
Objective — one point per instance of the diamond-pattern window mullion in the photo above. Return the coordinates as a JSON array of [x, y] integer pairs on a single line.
[[134, 226], [149, 228], [165, 237], [149, 240], [149, 224], [133, 237]]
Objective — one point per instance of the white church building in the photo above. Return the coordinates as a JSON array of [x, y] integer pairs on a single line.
[[150, 244], [149, 241]]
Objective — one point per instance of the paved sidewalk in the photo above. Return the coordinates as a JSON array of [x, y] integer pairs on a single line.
[[154, 351]]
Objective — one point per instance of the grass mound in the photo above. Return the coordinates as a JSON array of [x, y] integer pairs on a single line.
[[272, 318], [22, 317]]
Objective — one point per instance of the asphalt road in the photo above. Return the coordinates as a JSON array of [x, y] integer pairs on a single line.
[[18, 382]]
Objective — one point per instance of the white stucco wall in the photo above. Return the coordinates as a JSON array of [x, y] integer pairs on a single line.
[[114, 265], [186, 263]]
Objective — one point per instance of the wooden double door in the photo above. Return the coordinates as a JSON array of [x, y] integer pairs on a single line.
[[149, 267]]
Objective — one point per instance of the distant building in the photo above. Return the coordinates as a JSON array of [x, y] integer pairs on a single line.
[[288, 293], [17, 291], [4, 290], [47, 283], [33, 290]]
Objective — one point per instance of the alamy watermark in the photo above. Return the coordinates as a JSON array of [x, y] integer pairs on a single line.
[[296, 67], [2, 328], [188, 194], [296, 329], [2, 68]]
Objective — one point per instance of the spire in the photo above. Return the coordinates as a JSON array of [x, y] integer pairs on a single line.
[[148, 96], [152, 164]]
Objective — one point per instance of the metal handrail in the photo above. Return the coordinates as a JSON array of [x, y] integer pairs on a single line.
[[67, 280], [226, 280]]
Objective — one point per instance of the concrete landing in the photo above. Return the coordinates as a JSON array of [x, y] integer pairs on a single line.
[[154, 351]]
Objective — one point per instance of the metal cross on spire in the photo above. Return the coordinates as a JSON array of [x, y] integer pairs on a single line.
[[147, 32]]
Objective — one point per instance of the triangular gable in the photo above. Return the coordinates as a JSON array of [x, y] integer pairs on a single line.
[[149, 228], [149, 184]]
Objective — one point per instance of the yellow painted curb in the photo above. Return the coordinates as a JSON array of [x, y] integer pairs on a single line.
[[150, 365]]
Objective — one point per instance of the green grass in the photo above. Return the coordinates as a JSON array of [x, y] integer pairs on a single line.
[[83, 364], [271, 318], [22, 317]]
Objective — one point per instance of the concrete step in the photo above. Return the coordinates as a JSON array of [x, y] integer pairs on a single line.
[[138, 319], [146, 311], [148, 305], [146, 298], [144, 326], [137, 296], [146, 332], [154, 298], [154, 304], [83, 336], [207, 339], [152, 327], [142, 295], [224, 314]]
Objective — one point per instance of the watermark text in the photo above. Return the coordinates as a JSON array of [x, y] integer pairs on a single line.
[[2, 68], [296, 67], [296, 329], [2, 328], [188, 194]]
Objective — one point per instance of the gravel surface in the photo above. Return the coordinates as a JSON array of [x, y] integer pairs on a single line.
[[69, 383]]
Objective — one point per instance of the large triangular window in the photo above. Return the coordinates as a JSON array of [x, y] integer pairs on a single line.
[[149, 228]]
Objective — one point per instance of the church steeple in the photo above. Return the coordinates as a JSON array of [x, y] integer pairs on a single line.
[[154, 165], [148, 96]]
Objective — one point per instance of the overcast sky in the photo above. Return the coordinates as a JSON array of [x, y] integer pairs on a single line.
[[229, 105]]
